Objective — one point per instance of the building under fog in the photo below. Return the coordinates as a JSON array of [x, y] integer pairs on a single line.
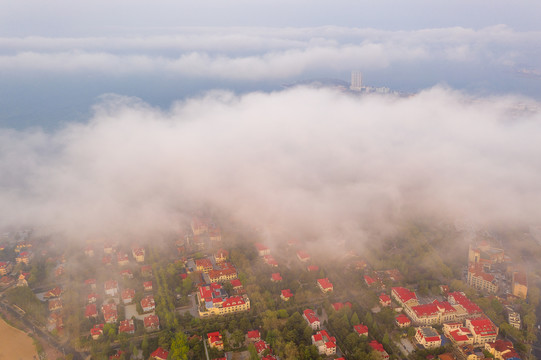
[[356, 81]]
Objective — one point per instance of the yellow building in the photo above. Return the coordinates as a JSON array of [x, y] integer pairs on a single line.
[[520, 284]]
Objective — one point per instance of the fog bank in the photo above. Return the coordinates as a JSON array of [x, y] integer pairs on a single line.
[[303, 162]]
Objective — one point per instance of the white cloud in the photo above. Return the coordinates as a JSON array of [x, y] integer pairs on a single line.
[[301, 161], [263, 53]]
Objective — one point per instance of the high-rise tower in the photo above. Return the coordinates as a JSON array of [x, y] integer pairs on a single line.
[[356, 81]]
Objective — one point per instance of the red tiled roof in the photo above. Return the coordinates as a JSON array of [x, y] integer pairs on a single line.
[[261, 346], [261, 247], [254, 334], [402, 319], [233, 301], [236, 283], [91, 310], [483, 327], [126, 326], [458, 335], [311, 316], [160, 354], [151, 321], [147, 301], [312, 268], [325, 283], [404, 294], [276, 277], [204, 263], [361, 329], [287, 293], [369, 280], [128, 294], [111, 284], [466, 303], [374, 344]]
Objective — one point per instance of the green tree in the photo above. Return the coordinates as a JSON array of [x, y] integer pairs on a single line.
[[355, 319], [179, 347]]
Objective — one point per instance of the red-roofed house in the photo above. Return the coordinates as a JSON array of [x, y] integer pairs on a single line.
[[91, 311], [459, 298], [427, 337], [109, 313], [236, 284], [502, 350], [126, 274], [204, 265], [269, 259], [106, 260], [55, 304], [479, 279], [147, 285], [91, 283], [55, 321], [312, 268], [222, 274], [303, 256], [369, 280], [146, 270], [276, 277], [402, 321], [384, 300], [92, 298], [126, 326], [325, 343], [262, 250], [122, 259], [148, 304], [254, 335], [433, 313], [404, 296], [111, 287], [261, 346], [53, 293], [482, 330], [221, 256], [458, 334], [96, 331], [127, 296], [152, 323], [24, 257], [376, 346], [325, 285], [138, 254], [234, 304], [286, 295], [159, 354], [361, 330], [310, 316], [215, 340]]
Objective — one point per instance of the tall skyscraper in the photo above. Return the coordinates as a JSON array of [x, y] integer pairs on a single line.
[[356, 81]]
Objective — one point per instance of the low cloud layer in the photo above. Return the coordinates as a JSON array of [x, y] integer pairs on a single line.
[[252, 54], [303, 162]]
